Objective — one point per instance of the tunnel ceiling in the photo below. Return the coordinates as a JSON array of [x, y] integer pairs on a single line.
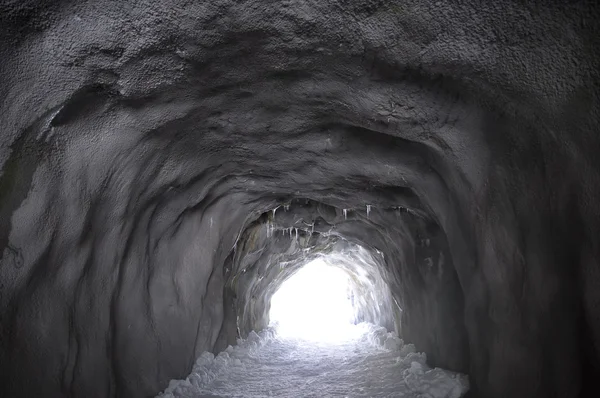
[[144, 142]]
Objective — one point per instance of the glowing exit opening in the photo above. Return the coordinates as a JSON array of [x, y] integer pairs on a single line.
[[316, 303]]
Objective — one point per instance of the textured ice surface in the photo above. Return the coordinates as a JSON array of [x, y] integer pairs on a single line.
[[374, 363]]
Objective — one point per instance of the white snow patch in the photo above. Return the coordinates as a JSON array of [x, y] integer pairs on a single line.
[[376, 363]]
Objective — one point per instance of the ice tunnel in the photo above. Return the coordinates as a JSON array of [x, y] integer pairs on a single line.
[[167, 167]]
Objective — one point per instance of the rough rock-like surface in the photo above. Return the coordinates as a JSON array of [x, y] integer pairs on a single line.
[[140, 140]]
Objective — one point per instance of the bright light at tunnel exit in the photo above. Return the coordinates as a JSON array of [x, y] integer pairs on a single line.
[[316, 303]]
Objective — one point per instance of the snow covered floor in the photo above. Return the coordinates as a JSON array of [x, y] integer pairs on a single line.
[[369, 363]]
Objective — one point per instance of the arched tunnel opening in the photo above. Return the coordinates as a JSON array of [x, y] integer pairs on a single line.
[[309, 271], [327, 295], [318, 302], [167, 167]]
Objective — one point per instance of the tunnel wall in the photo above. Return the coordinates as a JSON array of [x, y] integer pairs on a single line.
[[138, 139]]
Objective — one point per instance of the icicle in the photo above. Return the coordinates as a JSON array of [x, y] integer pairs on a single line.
[[345, 214], [286, 207], [368, 210], [296, 231], [274, 210]]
